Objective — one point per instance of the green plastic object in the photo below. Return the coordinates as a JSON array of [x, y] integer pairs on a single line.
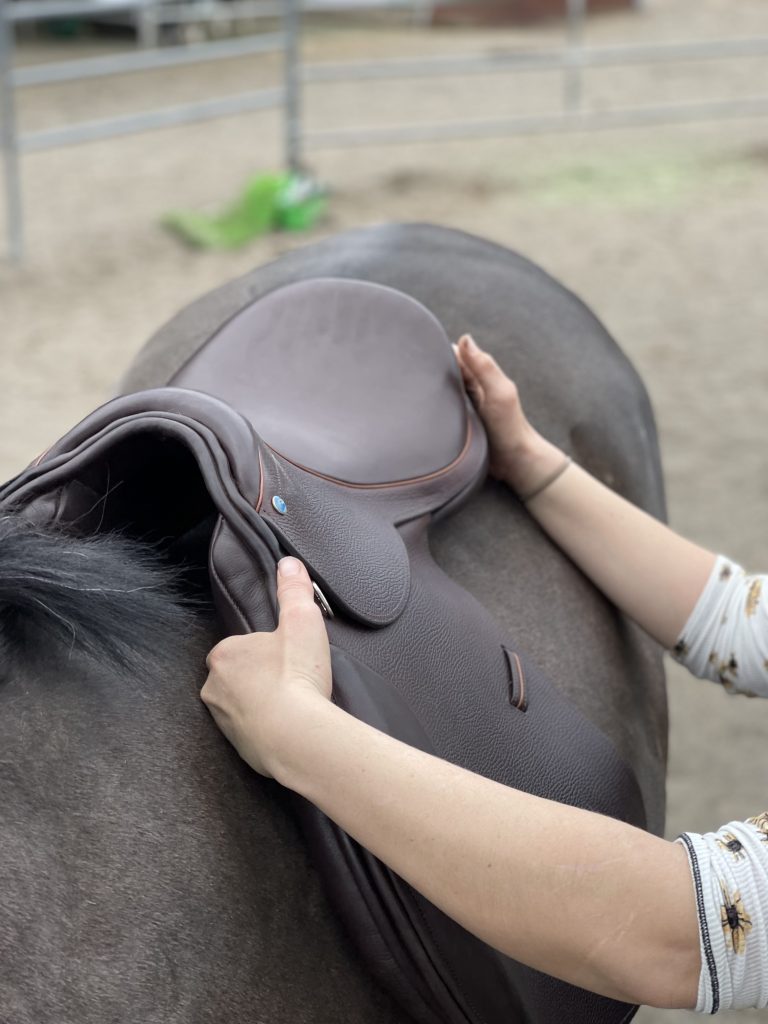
[[300, 204], [270, 202]]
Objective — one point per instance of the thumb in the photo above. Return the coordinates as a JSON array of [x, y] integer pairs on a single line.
[[300, 617], [294, 587], [301, 625]]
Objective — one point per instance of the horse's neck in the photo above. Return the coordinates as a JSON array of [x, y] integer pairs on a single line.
[[154, 877]]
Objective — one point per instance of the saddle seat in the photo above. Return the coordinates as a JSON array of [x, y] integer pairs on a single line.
[[328, 420], [348, 380]]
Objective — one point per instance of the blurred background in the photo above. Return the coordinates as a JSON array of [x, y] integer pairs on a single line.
[[625, 149]]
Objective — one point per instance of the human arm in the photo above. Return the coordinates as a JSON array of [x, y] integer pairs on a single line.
[[577, 895], [649, 571], [726, 637]]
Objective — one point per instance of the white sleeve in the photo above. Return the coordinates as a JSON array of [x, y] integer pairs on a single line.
[[729, 869], [726, 637]]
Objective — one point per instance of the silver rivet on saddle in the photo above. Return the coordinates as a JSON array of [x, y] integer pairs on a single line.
[[322, 601], [279, 505]]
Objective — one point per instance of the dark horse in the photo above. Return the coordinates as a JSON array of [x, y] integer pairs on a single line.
[[145, 873]]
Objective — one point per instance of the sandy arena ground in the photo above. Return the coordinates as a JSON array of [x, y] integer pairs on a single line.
[[662, 231]]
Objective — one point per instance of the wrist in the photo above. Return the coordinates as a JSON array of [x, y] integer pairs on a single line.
[[298, 737], [533, 461]]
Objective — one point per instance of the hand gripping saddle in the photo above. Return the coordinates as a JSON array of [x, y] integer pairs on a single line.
[[328, 420]]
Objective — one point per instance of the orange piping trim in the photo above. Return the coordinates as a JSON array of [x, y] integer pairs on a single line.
[[521, 702], [382, 486], [261, 484], [42, 455]]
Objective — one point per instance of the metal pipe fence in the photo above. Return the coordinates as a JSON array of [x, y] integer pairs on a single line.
[[571, 61], [13, 143], [621, 55]]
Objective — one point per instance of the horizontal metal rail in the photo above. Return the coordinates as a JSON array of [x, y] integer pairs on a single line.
[[350, 6], [252, 10], [187, 13], [544, 60], [207, 11], [145, 60], [38, 10], [525, 124], [150, 120]]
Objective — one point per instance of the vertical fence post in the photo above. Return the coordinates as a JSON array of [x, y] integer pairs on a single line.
[[9, 141], [147, 27], [292, 139], [576, 11]]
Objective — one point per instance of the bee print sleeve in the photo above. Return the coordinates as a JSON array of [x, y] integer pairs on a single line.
[[729, 870], [726, 637]]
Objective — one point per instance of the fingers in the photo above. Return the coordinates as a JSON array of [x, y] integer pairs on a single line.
[[485, 380], [296, 651], [482, 366], [471, 383]]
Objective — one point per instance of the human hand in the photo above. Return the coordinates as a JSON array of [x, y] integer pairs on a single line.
[[256, 682], [519, 455]]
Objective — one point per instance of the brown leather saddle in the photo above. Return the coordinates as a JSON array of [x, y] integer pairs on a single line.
[[328, 420]]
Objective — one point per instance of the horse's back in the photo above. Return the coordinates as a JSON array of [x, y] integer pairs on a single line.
[[148, 874], [579, 390]]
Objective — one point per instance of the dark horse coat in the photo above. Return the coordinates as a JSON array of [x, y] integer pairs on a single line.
[[149, 875]]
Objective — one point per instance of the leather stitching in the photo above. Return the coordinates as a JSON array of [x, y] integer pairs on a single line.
[[261, 483], [522, 703], [390, 484]]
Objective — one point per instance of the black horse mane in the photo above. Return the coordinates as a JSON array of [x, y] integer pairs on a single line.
[[105, 599]]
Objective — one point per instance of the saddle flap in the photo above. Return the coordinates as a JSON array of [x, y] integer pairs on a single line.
[[348, 542]]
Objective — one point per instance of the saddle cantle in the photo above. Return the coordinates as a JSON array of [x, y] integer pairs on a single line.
[[328, 420]]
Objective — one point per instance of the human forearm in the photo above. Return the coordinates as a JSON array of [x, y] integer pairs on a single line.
[[574, 894], [652, 573]]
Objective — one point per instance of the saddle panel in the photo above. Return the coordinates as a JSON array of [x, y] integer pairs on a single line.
[[217, 437], [440, 972], [441, 681]]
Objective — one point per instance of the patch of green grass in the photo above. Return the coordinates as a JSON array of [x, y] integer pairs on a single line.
[[650, 179]]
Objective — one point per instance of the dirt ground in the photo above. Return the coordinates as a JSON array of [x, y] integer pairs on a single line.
[[662, 231]]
